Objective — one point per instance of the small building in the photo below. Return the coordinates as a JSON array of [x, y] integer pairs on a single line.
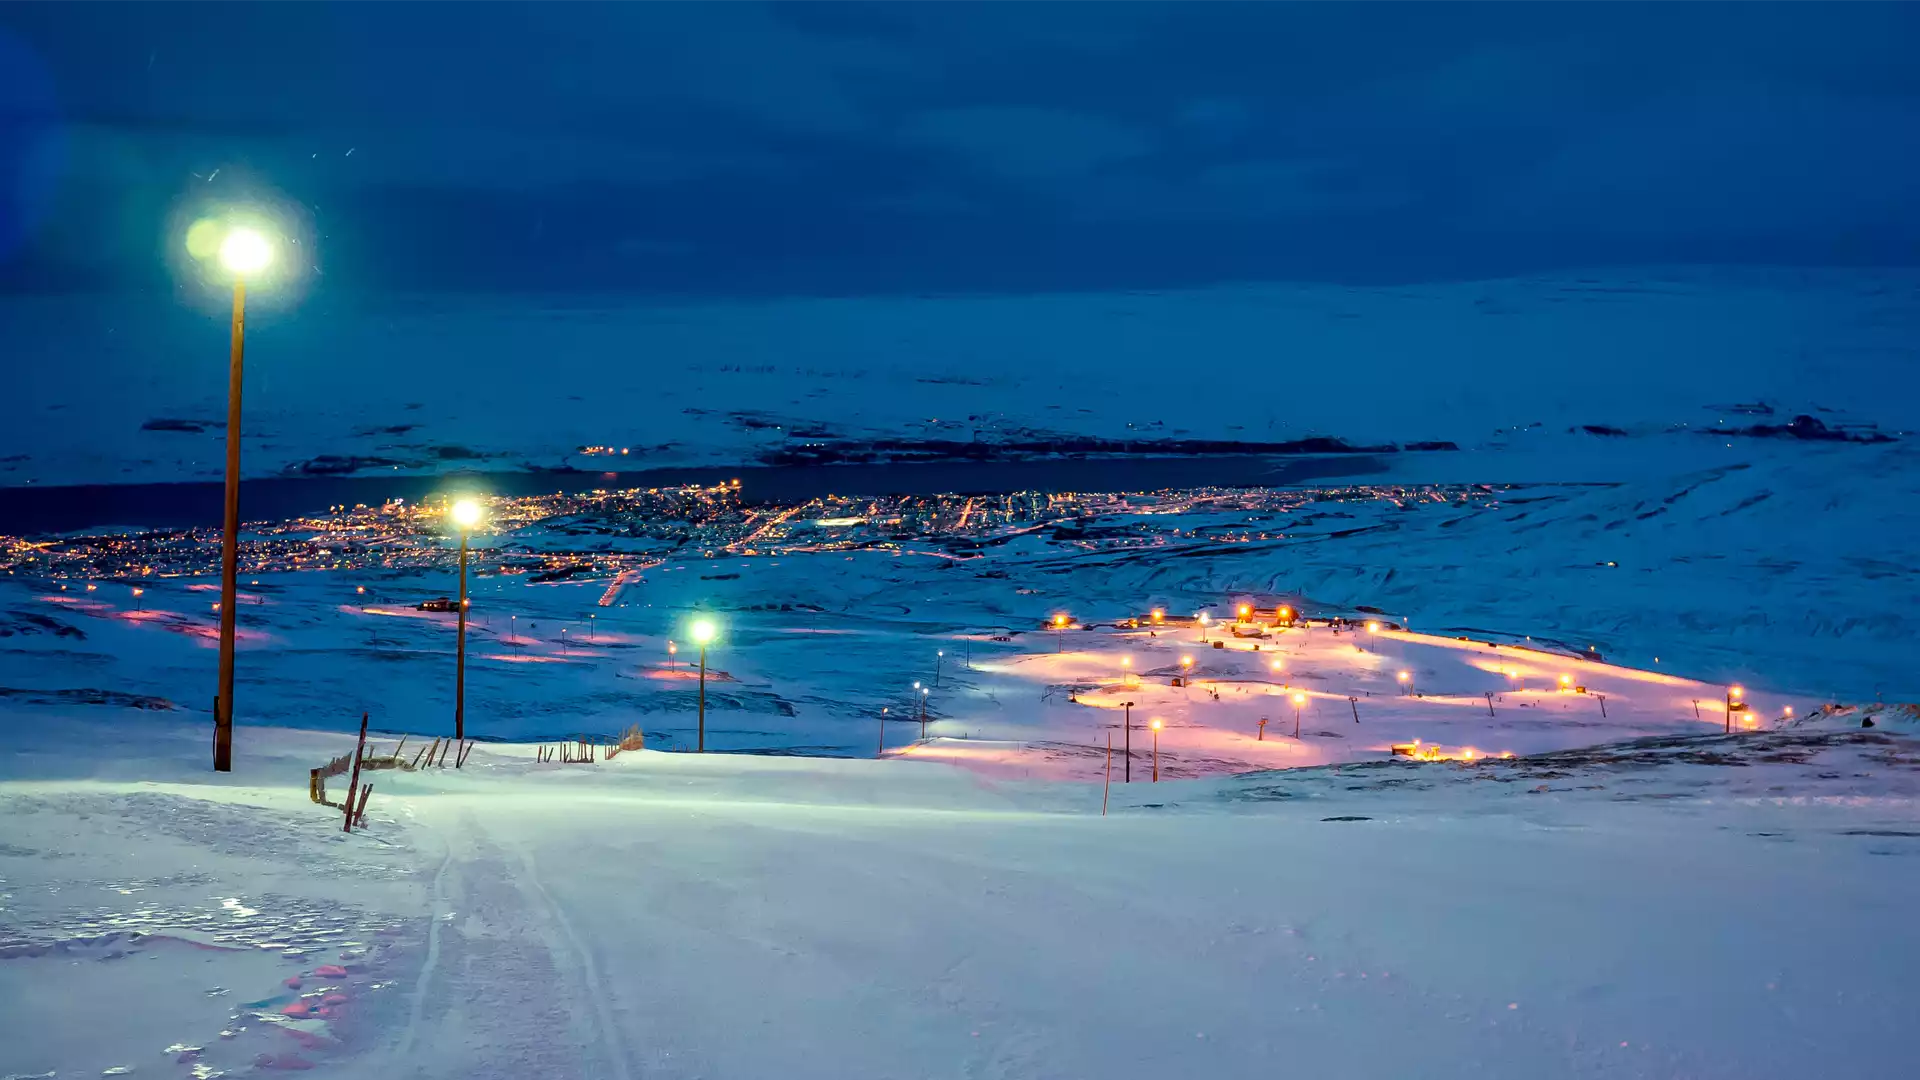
[[438, 603]]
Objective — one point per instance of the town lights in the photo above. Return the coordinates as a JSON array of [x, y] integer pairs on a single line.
[[703, 632]]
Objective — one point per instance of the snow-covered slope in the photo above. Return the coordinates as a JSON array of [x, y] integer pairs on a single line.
[[667, 915], [429, 384]]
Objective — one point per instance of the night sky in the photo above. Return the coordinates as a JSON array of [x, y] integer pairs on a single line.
[[734, 149]]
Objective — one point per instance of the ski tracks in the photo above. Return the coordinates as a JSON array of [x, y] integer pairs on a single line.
[[508, 988]]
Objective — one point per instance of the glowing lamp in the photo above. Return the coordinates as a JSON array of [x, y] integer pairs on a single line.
[[466, 513], [1403, 676], [245, 251], [703, 631], [1299, 699], [1735, 692], [1155, 724]]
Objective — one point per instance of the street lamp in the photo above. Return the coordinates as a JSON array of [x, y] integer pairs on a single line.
[[465, 514], [703, 633], [1406, 680], [1127, 721], [1373, 642], [1298, 700], [1126, 670], [1159, 615], [1155, 725], [1060, 633], [1201, 618], [1733, 694], [243, 253], [671, 649], [1246, 612], [923, 712], [939, 661]]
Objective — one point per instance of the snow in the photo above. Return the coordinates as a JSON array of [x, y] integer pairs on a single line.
[[726, 915], [1633, 894], [421, 380], [1669, 902]]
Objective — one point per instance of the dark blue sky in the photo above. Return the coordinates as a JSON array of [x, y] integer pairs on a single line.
[[734, 148]]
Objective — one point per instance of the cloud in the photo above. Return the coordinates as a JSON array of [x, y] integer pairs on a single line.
[[1723, 158], [1258, 190], [446, 157], [1027, 144]]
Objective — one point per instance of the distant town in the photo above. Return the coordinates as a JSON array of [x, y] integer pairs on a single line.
[[605, 533]]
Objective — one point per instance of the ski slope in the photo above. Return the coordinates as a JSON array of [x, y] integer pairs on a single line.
[[667, 914]]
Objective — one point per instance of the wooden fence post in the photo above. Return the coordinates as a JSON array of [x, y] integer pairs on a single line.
[[354, 785]]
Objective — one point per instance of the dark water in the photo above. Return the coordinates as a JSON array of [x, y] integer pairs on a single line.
[[28, 511]]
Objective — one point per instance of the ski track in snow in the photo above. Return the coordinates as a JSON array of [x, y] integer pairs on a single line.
[[505, 972]]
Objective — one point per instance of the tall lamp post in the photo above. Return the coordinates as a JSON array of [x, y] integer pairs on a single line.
[[1733, 695], [465, 514], [1156, 725], [243, 252], [1127, 756], [703, 633]]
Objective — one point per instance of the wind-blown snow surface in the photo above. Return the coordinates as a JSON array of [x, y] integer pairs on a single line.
[[437, 383], [727, 916]]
